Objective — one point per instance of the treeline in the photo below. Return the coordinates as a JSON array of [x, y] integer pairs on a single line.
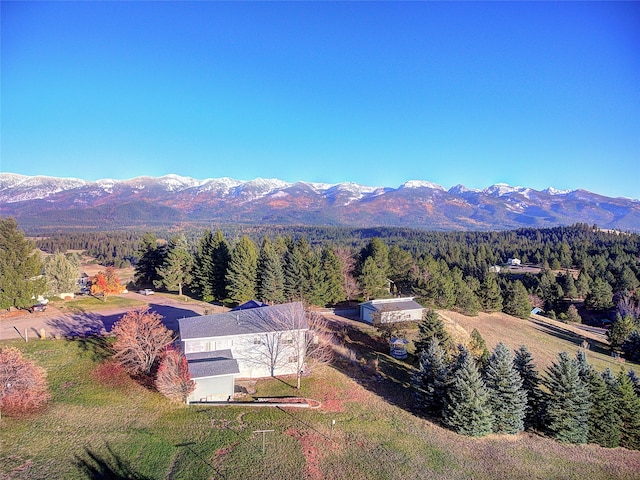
[[111, 249], [505, 394]]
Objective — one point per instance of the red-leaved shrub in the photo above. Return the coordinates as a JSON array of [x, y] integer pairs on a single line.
[[23, 388]]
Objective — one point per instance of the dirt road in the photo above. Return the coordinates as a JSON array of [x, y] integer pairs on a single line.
[[54, 322]]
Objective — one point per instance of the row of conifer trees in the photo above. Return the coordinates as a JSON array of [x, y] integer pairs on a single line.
[[506, 394]]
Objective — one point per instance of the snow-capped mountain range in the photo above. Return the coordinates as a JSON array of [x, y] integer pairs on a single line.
[[41, 201]]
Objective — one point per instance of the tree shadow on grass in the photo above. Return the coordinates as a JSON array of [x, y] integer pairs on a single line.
[[108, 466]]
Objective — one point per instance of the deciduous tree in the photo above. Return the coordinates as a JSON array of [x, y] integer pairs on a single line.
[[173, 379], [106, 283], [23, 388], [140, 338]]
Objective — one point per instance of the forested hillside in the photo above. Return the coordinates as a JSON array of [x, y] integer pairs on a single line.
[[571, 273]]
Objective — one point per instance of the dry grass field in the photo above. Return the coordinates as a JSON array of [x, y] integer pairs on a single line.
[[543, 337]]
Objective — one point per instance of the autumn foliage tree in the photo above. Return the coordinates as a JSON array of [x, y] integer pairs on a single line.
[[140, 340], [106, 283], [23, 388], [173, 379]]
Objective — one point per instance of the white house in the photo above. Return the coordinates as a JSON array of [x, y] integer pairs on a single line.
[[388, 310], [248, 343], [514, 262]]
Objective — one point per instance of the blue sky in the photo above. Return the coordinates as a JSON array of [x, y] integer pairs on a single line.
[[534, 94]]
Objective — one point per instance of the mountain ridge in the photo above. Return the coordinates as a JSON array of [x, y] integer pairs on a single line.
[[37, 201]]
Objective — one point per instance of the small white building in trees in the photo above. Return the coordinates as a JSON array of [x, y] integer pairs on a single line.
[[255, 342], [389, 310]]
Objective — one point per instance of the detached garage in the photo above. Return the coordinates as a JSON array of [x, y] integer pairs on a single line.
[[389, 310]]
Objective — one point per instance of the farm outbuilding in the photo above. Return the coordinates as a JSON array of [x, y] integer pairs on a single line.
[[389, 310]]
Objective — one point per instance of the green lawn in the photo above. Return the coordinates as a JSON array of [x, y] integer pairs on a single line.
[[91, 304], [105, 426]]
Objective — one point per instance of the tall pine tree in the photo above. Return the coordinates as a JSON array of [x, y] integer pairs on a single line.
[[467, 409], [333, 276], [176, 269], [628, 407], [523, 362], [270, 275], [242, 272], [568, 402], [430, 327], [430, 381], [507, 398], [604, 421]]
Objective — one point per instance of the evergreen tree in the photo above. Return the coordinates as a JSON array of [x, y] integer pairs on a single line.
[[294, 274], [210, 266], [516, 301], [569, 286], [402, 269], [567, 401], [507, 398], [21, 278], [316, 280], [631, 346], [620, 331], [203, 267], [478, 348], [333, 276], [378, 251], [373, 281], [270, 274], [175, 272], [151, 256], [467, 410], [600, 296], [62, 273], [635, 381], [430, 381], [221, 256], [582, 284], [466, 300], [628, 407], [431, 327], [604, 422], [242, 273], [490, 295], [523, 363]]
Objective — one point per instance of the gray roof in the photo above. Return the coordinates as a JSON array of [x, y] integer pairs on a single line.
[[277, 318], [212, 364], [397, 306]]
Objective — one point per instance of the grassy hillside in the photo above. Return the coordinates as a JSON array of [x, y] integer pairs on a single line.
[[543, 337], [100, 424]]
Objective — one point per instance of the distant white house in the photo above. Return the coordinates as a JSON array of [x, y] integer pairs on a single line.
[[254, 342], [514, 262], [388, 310], [495, 269]]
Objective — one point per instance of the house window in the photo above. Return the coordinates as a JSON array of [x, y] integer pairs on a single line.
[[293, 359], [257, 341]]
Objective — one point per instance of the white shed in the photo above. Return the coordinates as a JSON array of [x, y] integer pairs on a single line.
[[389, 310]]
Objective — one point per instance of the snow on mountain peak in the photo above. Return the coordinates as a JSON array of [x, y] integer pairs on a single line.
[[421, 184], [500, 189]]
